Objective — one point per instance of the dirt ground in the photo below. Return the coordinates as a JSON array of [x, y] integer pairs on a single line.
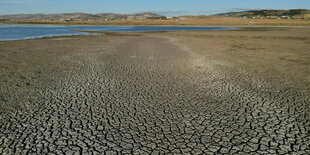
[[196, 92]]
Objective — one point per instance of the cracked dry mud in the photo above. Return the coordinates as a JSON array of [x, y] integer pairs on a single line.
[[152, 94]]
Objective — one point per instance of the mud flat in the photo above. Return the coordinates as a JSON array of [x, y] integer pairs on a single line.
[[228, 92]]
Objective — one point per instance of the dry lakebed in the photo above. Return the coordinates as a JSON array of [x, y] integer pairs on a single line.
[[242, 91]]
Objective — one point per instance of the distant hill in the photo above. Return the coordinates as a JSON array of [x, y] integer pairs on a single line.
[[253, 14], [83, 16], [270, 14]]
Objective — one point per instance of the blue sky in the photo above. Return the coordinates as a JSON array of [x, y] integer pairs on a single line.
[[165, 7]]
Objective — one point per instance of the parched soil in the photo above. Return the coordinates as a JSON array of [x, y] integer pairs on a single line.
[[242, 91]]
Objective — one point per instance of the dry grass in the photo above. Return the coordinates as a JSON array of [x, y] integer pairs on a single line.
[[212, 21]]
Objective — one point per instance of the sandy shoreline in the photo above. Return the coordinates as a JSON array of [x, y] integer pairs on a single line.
[[237, 91], [90, 33], [213, 21]]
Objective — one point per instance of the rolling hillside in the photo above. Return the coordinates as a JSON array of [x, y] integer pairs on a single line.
[[270, 14], [83, 16]]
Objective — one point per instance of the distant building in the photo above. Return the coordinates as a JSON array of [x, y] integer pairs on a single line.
[[285, 17]]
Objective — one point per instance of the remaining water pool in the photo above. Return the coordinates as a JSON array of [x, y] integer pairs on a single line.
[[18, 32]]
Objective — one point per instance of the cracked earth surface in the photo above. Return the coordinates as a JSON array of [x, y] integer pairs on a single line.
[[154, 95]]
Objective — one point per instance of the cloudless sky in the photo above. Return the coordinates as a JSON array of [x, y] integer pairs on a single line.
[[165, 7]]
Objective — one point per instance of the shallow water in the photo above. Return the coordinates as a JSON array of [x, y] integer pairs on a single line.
[[19, 32]]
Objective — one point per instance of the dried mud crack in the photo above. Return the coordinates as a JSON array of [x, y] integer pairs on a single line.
[[153, 95]]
